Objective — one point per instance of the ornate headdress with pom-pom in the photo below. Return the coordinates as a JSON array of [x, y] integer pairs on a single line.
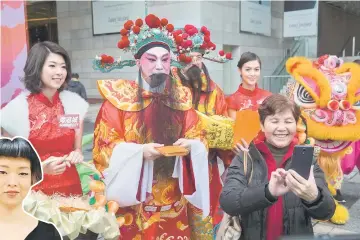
[[139, 36], [190, 39]]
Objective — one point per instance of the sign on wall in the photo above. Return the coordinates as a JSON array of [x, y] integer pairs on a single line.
[[255, 17], [109, 16], [14, 49], [300, 18]]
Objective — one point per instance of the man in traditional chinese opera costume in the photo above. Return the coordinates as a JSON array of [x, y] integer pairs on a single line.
[[138, 117]]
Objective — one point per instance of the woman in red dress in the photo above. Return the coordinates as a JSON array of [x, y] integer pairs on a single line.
[[50, 117], [248, 96]]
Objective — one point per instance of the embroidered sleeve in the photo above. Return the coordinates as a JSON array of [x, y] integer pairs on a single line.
[[232, 102], [221, 105], [108, 132], [193, 127]]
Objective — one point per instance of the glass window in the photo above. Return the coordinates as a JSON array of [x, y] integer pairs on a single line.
[[41, 22]]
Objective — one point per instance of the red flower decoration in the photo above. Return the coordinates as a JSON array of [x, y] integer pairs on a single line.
[[170, 27], [221, 53], [192, 31], [211, 46], [164, 22], [204, 46], [185, 35], [136, 29], [203, 29], [124, 32], [228, 56], [183, 44], [128, 24], [206, 39], [126, 42], [121, 45], [139, 22], [107, 59], [188, 43], [188, 59], [177, 32], [188, 27], [182, 57], [207, 33], [178, 39]]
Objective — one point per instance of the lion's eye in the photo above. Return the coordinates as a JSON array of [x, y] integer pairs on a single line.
[[357, 105], [302, 97]]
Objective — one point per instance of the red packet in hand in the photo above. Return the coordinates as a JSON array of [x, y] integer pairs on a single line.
[[247, 126]]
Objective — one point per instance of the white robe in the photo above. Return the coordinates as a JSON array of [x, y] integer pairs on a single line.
[[123, 176]]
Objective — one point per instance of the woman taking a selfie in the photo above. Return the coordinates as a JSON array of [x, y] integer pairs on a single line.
[[271, 199], [19, 170]]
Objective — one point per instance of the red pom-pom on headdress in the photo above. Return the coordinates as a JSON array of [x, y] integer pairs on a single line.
[[152, 21], [136, 29], [170, 27], [182, 57], [139, 22], [107, 59], [164, 22], [178, 40], [128, 24], [124, 32]]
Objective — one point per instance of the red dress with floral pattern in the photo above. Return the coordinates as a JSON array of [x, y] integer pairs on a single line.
[[49, 139]]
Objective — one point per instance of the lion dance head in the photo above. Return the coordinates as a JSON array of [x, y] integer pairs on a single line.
[[328, 92]]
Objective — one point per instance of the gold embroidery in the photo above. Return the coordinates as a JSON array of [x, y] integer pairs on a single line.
[[105, 139], [219, 131]]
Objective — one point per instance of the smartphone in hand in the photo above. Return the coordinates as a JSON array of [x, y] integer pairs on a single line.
[[301, 160]]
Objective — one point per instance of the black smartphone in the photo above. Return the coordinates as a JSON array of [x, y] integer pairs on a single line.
[[302, 159]]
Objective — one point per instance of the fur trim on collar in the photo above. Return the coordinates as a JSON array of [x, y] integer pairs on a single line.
[[73, 103], [15, 115]]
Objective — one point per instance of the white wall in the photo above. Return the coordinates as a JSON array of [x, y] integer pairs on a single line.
[[222, 18]]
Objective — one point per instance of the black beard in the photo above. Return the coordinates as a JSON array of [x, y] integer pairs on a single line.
[[157, 79]]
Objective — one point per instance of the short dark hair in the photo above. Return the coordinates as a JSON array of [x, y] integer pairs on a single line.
[[247, 57], [35, 62], [278, 103], [19, 147], [357, 61], [75, 75]]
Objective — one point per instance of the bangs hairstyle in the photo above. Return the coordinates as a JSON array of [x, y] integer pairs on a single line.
[[247, 57], [277, 103], [35, 63], [20, 148]]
